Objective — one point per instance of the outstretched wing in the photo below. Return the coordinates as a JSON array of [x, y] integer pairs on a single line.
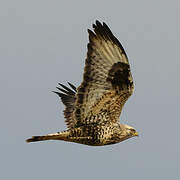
[[68, 98], [107, 81]]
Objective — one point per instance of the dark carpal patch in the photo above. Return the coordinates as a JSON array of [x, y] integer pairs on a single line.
[[119, 75]]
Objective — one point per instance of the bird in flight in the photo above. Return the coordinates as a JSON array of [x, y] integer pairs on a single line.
[[93, 109]]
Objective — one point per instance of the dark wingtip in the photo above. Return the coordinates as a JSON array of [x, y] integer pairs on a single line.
[[91, 32], [104, 24], [61, 84], [66, 89], [98, 23], [55, 92], [66, 93], [72, 86], [91, 35]]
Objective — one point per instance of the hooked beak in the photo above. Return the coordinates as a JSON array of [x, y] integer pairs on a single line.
[[136, 134]]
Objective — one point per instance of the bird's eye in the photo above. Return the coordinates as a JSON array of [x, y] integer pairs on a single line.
[[133, 130]]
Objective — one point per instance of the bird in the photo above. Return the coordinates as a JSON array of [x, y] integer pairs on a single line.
[[92, 110]]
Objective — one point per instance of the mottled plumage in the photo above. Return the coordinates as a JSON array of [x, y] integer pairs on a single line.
[[93, 109]]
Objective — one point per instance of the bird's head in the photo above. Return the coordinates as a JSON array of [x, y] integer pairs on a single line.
[[123, 132], [130, 131]]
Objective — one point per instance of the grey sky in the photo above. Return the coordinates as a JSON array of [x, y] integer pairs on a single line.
[[43, 42]]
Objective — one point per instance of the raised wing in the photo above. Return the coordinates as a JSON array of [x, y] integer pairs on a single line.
[[107, 81], [68, 98]]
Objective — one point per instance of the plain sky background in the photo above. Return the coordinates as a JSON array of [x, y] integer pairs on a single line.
[[44, 42]]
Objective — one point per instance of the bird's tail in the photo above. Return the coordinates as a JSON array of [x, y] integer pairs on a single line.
[[54, 136]]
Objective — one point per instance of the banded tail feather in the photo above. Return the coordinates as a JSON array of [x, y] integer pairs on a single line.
[[54, 136]]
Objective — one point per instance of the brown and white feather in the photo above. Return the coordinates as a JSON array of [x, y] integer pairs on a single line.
[[107, 81]]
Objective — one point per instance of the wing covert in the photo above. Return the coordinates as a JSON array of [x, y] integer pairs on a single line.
[[107, 81]]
